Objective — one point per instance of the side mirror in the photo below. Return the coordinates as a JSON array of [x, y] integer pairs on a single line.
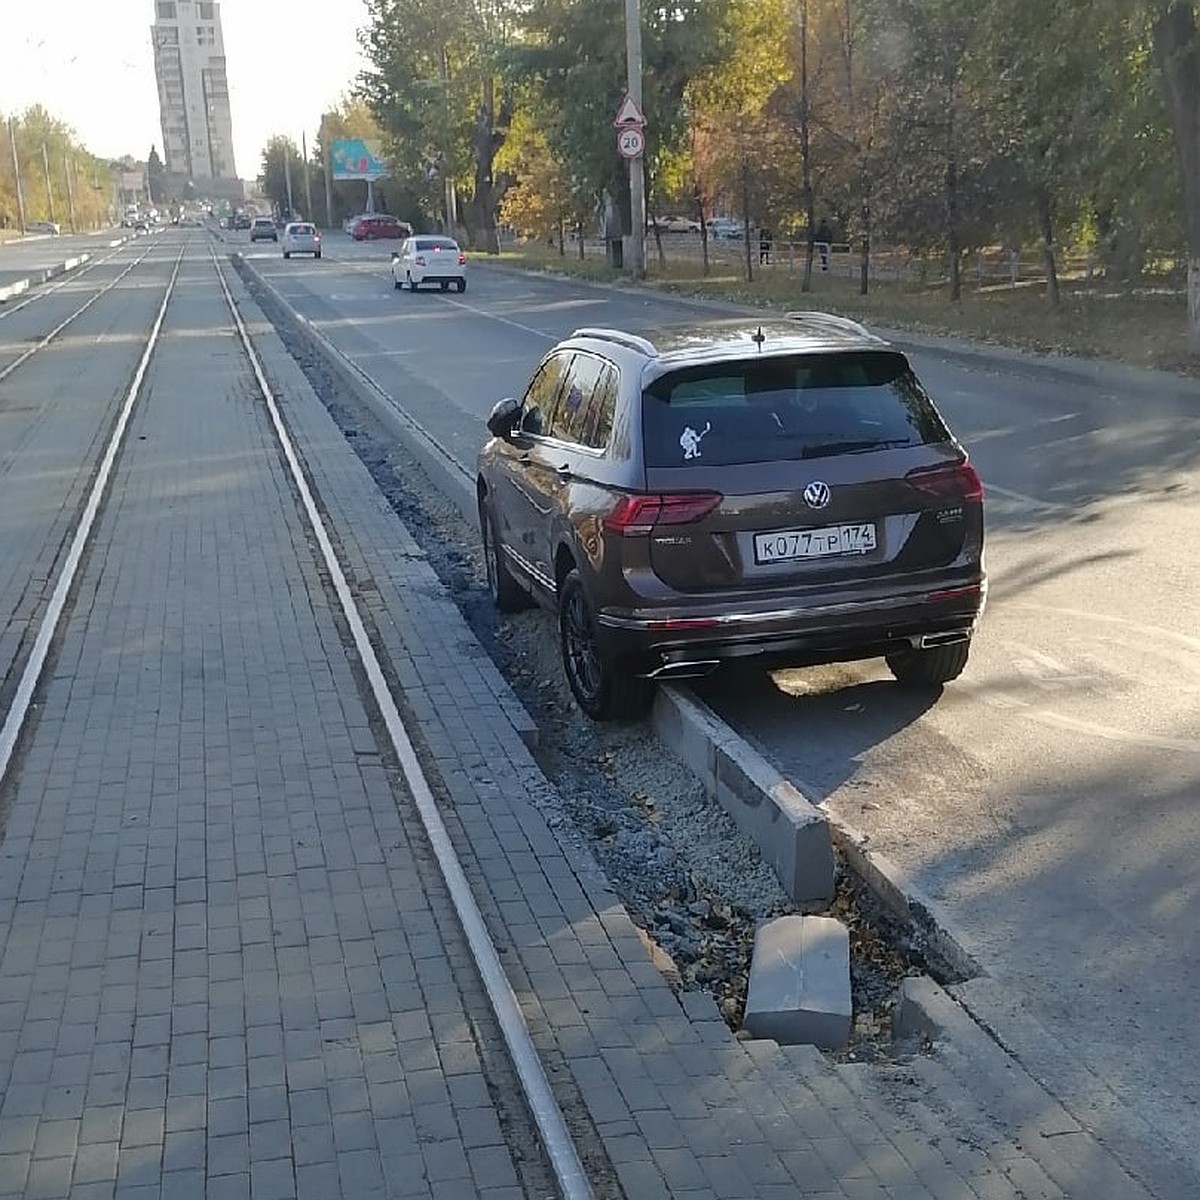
[[503, 417], [395, 255]]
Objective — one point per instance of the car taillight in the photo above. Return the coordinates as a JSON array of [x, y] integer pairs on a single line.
[[419, 260], [641, 514], [316, 237], [955, 481], [462, 260]]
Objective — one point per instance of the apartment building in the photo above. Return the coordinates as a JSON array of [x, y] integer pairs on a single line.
[[193, 93]]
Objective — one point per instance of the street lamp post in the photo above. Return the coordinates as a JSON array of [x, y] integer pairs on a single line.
[[70, 191], [49, 189], [328, 170], [637, 174], [12, 141], [307, 176]]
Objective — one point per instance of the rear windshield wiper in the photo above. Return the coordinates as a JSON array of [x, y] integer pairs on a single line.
[[854, 447]]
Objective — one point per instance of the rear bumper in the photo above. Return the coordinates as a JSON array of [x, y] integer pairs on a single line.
[[672, 640]]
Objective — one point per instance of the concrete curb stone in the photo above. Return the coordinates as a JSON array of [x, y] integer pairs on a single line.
[[45, 275]]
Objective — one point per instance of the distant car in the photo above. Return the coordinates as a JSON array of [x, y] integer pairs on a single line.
[[782, 491], [380, 225], [242, 221], [301, 237], [263, 230], [678, 224], [428, 258], [726, 227], [50, 227]]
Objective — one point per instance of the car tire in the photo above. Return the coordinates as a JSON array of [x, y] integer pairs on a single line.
[[396, 283], [930, 667], [507, 594], [460, 286], [445, 285], [317, 255], [602, 687], [412, 283], [287, 254]]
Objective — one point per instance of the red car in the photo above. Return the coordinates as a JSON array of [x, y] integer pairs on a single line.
[[380, 225]]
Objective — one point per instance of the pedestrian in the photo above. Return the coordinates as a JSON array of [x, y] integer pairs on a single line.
[[764, 245], [824, 238]]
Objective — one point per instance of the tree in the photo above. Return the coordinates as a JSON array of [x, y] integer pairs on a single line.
[[435, 89], [156, 177], [1176, 40], [281, 167]]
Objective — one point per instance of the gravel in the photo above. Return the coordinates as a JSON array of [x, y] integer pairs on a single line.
[[688, 877]]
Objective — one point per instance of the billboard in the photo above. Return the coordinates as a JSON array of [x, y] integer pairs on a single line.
[[132, 181], [356, 158]]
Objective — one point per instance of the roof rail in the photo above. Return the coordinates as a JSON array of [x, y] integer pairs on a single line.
[[824, 318], [629, 340]]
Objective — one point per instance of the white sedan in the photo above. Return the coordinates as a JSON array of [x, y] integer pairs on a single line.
[[427, 258], [301, 237]]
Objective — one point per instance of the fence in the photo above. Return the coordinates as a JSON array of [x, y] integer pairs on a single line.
[[987, 269]]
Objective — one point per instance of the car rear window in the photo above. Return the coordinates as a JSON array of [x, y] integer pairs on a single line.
[[266, 221], [801, 407], [436, 244], [302, 229]]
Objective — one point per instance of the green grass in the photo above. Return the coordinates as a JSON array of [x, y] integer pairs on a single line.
[[1144, 327]]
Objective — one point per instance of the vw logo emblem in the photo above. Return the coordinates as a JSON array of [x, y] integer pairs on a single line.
[[816, 495]]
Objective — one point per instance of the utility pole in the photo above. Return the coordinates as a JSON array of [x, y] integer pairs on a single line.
[[70, 191], [49, 191], [328, 172], [12, 141], [637, 174], [447, 177], [287, 175], [308, 216]]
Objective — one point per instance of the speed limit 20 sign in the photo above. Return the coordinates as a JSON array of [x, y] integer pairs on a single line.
[[631, 141]]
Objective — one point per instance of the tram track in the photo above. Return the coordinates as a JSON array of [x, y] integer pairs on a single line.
[[542, 1139], [44, 550], [49, 289]]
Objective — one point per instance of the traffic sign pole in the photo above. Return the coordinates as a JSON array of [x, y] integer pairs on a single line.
[[637, 175]]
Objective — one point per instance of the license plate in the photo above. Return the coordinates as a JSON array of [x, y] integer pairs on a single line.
[[791, 544]]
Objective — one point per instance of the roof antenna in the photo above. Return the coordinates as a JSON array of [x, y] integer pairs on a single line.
[[759, 337]]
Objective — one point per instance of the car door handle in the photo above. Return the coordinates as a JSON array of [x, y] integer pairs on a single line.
[[563, 472]]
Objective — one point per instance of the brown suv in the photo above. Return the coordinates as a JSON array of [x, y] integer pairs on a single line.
[[783, 490]]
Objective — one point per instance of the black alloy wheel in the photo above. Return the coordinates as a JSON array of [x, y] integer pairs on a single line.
[[603, 688]]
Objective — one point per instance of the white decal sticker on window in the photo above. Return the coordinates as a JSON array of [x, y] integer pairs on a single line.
[[690, 440]]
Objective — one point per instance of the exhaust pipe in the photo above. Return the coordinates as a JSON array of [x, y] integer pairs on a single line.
[[928, 640], [684, 670]]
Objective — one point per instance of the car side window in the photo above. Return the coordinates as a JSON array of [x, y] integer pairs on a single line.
[[598, 424], [570, 418], [537, 408]]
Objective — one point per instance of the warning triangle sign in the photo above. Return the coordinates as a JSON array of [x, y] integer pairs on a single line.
[[629, 113]]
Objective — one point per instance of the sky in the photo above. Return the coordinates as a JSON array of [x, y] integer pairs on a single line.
[[90, 64]]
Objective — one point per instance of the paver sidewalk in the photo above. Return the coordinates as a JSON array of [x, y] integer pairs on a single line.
[[224, 971], [227, 969]]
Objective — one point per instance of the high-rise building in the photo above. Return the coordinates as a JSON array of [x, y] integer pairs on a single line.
[[193, 95]]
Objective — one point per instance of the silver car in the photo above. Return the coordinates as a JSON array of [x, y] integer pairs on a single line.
[[301, 237]]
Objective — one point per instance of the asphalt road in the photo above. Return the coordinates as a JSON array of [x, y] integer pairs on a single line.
[[1046, 802]]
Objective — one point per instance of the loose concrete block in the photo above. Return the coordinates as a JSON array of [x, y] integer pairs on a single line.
[[800, 982]]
